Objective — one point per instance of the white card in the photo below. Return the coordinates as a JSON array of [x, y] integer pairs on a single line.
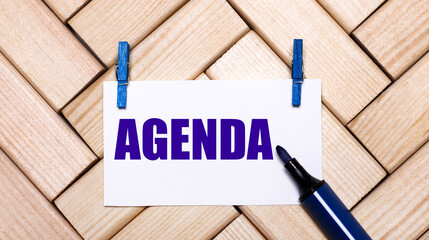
[[154, 126]]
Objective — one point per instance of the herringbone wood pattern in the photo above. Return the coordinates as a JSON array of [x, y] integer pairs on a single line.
[[371, 56]]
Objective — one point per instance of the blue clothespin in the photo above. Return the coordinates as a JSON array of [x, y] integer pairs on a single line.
[[122, 73], [297, 74]]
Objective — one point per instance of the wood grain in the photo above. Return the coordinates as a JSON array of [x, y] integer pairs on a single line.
[[64, 9], [398, 208], [347, 167], [397, 34], [202, 76], [185, 222], [396, 124], [103, 23], [181, 48], [37, 139], [283, 222], [25, 213], [349, 14], [425, 236], [45, 52], [350, 80], [240, 228], [83, 205], [249, 58]]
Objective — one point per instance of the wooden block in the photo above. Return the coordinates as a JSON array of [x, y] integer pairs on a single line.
[[249, 58], [347, 167], [398, 208], [103, 23], [240, 228], [202, 76], [83, 205], [25, 213], [37, 139], [181, 48], [283, 222], [64, 9], [350, 79], [425, 236], [185, 222], [349, 14], [42, 48], [396, 124], [397, 34]]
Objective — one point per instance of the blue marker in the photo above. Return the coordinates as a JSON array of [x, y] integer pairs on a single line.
[[321, 203]]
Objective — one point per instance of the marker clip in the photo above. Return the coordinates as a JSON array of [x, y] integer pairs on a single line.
[[122, 73], [297, 73]]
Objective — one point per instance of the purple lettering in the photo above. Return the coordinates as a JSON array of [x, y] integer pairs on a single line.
[[161, 143], [202, 139], [259, 127], [226, 135], [177, 138], [127, 127], [232, 139]]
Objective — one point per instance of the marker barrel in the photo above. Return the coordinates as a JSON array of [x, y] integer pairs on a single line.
[[333, 218]]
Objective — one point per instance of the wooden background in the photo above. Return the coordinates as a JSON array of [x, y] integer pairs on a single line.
[[370, 54]]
